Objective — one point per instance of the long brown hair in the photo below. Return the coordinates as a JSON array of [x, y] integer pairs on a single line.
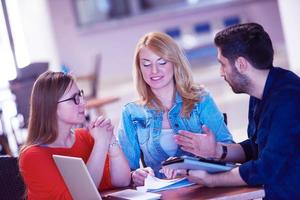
[[47, 90], [165, 47]]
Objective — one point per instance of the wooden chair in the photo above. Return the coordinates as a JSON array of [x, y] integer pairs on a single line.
[[22, 85], [93, 99], [21, 88]]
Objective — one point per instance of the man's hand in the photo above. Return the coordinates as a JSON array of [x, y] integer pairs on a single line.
[[198, 176], [139, 175], [229, 178], [203, 145]]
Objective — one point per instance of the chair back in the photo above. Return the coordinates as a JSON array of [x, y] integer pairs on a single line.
[[225, 118], [11, 182], [21, 87], [4, 146], [95, 81]]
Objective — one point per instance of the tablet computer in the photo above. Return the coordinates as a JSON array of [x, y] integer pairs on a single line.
[[187, 162]]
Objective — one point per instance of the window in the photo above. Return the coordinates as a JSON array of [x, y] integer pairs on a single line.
[[7, 69], [92, 11], [7, 61]]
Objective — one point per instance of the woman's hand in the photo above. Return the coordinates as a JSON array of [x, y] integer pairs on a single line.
[[102, 130], [168, 172], [139, 175]]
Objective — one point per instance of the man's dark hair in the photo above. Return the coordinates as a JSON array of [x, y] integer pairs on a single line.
[[248, 40]]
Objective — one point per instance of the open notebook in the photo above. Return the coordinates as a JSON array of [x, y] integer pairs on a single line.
[[153, 184], [77, 177]]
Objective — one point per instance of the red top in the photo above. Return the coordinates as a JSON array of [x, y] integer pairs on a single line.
[[41, 176]]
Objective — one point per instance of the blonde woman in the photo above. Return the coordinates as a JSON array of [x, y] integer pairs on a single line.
[[169, 102]]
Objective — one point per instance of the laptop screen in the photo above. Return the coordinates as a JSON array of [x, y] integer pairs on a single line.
[[76, 177]]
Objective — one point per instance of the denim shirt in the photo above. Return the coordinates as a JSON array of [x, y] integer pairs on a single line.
[[140, 128]]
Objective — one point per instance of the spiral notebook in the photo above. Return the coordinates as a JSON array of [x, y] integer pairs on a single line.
[[153, 184]]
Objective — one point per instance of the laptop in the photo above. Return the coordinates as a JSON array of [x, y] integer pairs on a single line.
[[77, 177]]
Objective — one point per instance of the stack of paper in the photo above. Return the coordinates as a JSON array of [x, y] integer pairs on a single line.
[[153, 184]]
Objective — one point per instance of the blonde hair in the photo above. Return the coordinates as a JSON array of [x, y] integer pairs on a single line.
[[165, 47]]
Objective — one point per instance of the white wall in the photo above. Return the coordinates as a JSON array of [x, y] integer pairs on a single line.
[[290, 16], [77, 48], [38, 31], [116, 42]]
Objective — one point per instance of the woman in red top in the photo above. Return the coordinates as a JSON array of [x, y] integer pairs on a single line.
[[57, 105]]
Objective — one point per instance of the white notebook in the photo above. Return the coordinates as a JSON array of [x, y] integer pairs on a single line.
[[153, 184], [134, 195]]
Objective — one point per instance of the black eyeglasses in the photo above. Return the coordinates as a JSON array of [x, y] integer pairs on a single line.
[[75, 98]]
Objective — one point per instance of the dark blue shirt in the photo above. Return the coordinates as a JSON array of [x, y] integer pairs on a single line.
[[273, 148]]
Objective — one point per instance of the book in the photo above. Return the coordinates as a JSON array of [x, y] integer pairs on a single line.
[[153, 184]]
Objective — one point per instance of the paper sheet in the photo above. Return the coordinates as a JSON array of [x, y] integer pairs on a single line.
[[154, 184], [135, 195]]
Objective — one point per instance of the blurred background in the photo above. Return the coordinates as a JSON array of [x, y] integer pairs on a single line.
[[95, 41]]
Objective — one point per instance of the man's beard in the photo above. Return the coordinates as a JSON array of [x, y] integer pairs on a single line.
[[238, 82]]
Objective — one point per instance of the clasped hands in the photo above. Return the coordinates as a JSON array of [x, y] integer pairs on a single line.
[[101, 130]]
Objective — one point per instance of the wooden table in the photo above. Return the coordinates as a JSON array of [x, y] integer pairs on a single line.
[[197, 192]]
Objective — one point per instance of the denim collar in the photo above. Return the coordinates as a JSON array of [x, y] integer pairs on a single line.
[[178, 98], [174, 110]]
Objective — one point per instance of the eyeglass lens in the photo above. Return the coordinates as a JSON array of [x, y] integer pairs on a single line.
[[77, 97]]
